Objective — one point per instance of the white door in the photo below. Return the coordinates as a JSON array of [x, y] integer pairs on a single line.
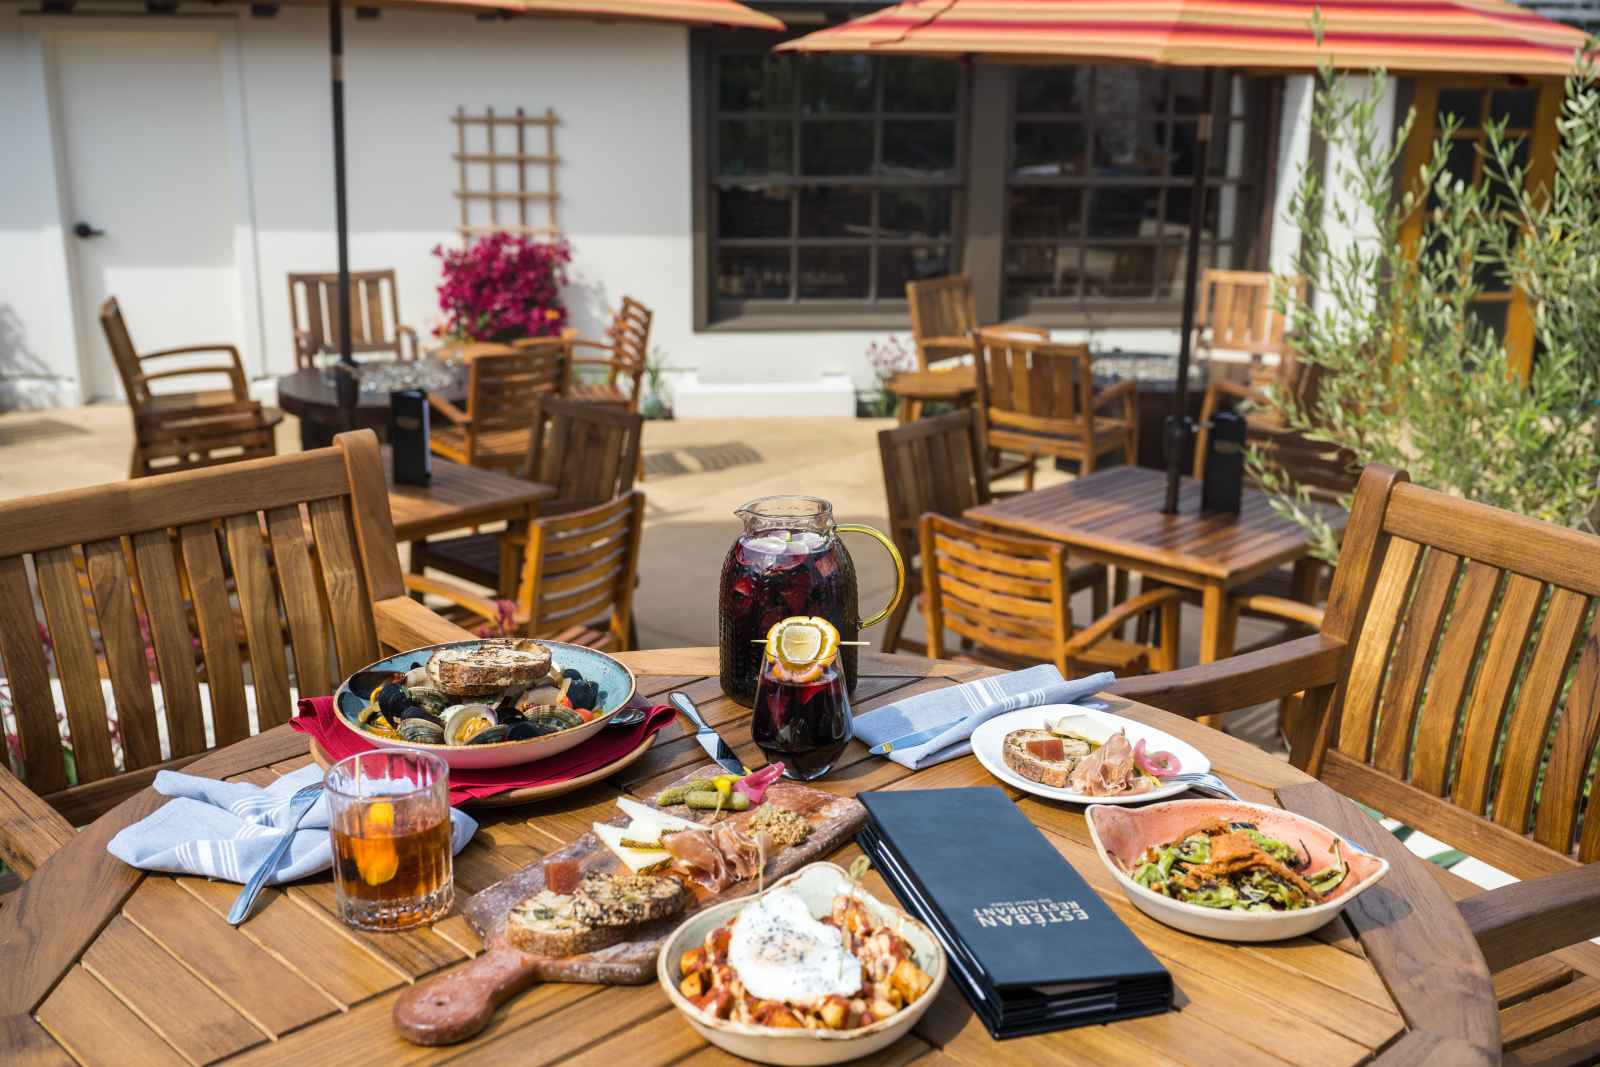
[[146, 152]]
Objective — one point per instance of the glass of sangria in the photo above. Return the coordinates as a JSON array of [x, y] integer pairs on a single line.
[[802, 706], [390, 822]]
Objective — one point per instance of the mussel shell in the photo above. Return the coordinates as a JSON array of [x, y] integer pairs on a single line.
[[583, 694], [552, 719], [421, 730], [521, 730], [573, 673], [491, 735], [428, 697], [418, 712], [464, 721], [393, 701]]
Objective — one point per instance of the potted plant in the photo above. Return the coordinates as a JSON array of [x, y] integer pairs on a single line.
[[503, 288]]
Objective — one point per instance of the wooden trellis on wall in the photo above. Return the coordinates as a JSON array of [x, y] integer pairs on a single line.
[[504, 181]]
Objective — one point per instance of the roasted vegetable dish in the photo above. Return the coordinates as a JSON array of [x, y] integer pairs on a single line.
[[775, 965], [1235, 867]]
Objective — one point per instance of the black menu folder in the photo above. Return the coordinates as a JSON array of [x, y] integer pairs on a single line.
[[1030, 944]]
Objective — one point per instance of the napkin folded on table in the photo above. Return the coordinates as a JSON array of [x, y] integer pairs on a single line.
[[317, 718], [226, 829], [968, 706]]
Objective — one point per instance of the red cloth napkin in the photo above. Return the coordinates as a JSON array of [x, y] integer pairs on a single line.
[[315, 718]]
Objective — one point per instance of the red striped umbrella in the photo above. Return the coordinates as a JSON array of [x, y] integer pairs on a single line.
[[1457, 36], [1476, 36]]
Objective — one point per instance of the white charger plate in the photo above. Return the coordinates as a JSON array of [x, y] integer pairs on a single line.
[[988, 743]]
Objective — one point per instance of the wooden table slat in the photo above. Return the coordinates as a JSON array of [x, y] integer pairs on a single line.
[[118, 1036]]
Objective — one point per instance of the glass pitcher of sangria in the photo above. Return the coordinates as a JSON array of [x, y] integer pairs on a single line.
[[790, 561]]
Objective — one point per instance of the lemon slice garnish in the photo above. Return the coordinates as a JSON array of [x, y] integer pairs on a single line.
[[803, 641]]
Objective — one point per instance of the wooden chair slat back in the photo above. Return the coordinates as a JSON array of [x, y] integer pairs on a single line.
[[243, 578], [581, 567], [374, 312], [1034, 386], [1470, 704], [630, 333], [940, 307], [123, 354], [589, 452], [931, 465], [504, 383], [1006, 594], [1235, 312]]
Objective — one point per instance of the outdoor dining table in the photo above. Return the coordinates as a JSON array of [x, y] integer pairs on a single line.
[[1114, 516], [111, 965]]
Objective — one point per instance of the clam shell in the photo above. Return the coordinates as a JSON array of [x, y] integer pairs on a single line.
[[552, 719], [418, 676], [421, 730], [464, 721], [490, 736], [427, 696]]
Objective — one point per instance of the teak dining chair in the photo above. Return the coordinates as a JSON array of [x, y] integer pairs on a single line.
[[935, 466], [309, 544], [577, 579], [1040, 399], [943, 315], [588, 452], [504, 386], [1009, 596], [375, 324], [627, 350], [1455, 686], [174, 431]]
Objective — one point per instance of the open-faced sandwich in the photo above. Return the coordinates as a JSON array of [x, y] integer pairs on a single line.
[[493, 691], [1063, 757]]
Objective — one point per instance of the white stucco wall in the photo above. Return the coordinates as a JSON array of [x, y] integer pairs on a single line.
[[621, 91]]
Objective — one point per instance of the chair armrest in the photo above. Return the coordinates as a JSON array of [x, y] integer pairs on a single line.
[[30, 829], [181, 372], [1102, 627], [402, 623], [1240, 681], [1282, 608], [601, 345], [1518, 922], [479, 605], [448, 410], [1102, 397], [186, 349], [590, 361]]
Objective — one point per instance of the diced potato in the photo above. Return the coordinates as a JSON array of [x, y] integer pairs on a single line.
[[693, 985], [892, 994], [779, 1015], [880, 1009], [911, 981], [834, 1013], [691, 961]]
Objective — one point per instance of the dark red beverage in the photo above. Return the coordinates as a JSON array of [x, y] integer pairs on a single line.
[[806, 725], [771, 575]]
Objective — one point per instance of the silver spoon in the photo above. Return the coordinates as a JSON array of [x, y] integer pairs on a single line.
[[299, 804]]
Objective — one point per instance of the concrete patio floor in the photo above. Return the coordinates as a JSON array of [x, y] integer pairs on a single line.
[[697, 473]]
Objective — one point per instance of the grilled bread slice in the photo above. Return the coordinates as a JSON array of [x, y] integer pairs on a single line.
[[1043, 757], [607, 900], [544, 925], [489, 667]]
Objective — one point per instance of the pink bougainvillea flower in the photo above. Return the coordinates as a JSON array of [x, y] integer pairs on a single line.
[[503, 288]]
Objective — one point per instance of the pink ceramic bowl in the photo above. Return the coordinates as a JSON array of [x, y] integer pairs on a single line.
[[1121, 835]]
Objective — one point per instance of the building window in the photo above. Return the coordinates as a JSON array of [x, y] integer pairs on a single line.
[[1099, 186], [833, 179]]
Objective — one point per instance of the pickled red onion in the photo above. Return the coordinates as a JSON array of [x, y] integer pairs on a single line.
[[1161, 764], [754, 785]]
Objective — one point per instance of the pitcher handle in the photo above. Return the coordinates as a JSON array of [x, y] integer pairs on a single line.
[[899, 568]]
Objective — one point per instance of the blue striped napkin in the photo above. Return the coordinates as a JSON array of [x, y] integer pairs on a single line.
[[962, 709]]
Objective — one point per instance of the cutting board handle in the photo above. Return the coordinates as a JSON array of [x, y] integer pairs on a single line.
[[459, 1003]]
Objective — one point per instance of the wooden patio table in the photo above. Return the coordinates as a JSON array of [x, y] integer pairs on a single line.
[[111, 965], [1113, 516]]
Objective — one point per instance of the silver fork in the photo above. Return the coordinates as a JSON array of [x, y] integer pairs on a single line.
[[299, 804], [1204, 782]]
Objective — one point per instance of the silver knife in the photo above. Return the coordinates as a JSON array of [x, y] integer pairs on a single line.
[[709, 739], [883, 748]]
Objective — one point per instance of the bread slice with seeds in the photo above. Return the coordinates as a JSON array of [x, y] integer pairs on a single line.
[[544, 925], [627, 899], [489, 667]]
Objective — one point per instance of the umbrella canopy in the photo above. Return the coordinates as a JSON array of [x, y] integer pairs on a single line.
[[1456, 36]]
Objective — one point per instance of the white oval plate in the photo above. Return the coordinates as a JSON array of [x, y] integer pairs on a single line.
[[988, 739]]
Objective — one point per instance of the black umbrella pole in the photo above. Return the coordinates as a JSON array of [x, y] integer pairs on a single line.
[[348, 389], [1180, 431]]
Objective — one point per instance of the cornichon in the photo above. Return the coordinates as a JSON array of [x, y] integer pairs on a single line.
[[676, 794], [710, 800]]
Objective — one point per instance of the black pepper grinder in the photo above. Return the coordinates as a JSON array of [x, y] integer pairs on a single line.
[[1222, 489]]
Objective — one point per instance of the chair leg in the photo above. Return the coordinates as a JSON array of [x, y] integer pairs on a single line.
[[1167, 656], [1027, 473], [1119, 594], [1101, 594]]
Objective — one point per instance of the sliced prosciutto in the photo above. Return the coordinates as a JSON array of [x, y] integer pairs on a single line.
[[1110, 769], [715, 858]]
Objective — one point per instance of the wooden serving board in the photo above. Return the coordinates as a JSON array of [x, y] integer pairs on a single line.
[[455, 1005]]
